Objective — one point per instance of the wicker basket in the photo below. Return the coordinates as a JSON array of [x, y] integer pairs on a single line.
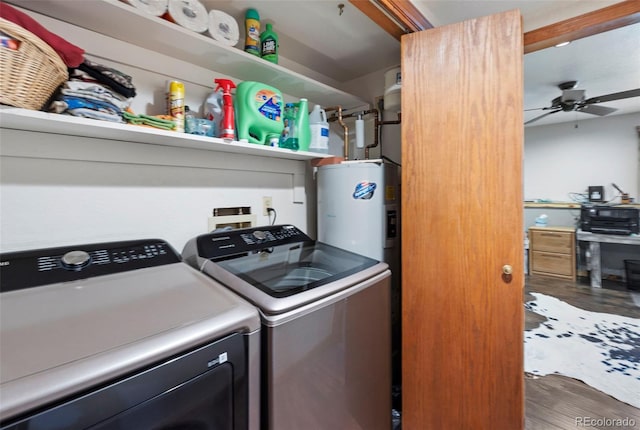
[[30, 75]]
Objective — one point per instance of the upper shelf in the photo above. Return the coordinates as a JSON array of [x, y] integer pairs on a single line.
[[121, 21], [24, 119]]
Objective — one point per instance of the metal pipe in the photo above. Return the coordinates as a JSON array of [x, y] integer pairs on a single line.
[[338, 108], [379, 124], [375, 137]]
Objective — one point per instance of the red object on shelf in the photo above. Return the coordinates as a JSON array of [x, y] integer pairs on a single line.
[[228, 121]]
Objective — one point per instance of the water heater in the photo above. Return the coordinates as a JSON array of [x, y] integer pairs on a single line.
[[359, 210]]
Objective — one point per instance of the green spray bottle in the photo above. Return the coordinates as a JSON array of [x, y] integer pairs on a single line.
[[269, 45]]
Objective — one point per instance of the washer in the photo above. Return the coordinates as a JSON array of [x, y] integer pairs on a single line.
[[326, 324], [123, 335]]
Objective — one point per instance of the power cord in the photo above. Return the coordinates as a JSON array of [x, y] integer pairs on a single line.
[[275, 215]]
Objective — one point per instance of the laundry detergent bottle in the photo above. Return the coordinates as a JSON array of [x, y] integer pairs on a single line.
[[252, 32], [259, 110], [297, 133]]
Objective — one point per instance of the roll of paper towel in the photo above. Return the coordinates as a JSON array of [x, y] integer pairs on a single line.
[[150, 7], [223, 28], [190, 14]]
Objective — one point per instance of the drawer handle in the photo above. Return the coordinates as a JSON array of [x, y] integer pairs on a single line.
[[551, 234], [507, 269]]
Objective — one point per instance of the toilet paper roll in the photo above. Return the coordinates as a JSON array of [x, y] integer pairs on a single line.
[[150, 7], [190, 14], [223, 28]]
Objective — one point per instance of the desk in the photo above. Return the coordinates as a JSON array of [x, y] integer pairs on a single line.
[[593, 260]]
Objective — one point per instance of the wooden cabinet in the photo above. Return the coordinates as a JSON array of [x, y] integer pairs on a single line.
[[552, 252]]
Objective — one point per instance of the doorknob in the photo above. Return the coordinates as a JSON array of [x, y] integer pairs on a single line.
[[507, 269]]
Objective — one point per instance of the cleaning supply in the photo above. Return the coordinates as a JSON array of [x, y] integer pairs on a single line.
[[259, 112], [288, 139], [298, 135], [227, 130], [175, 101], [252, 32], [269, 45], [319, 130], [303, 131], [213, 110]]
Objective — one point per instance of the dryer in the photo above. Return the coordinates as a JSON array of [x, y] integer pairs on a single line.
[[123, 335]]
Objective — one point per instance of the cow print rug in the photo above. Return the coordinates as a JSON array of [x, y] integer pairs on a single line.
[[602, 350]]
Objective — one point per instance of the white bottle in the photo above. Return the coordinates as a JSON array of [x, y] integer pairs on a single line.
[[213, 110], [319, 130]]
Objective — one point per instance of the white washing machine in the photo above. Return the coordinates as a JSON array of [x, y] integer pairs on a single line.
[[326, 327], [123, 335]]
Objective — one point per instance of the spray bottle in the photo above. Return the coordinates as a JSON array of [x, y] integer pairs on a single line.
[[227, 130]]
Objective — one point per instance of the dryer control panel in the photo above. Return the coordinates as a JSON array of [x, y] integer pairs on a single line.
[[24, 269], [233, 242]]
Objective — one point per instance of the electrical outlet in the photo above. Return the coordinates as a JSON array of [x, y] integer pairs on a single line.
[[266, 203]]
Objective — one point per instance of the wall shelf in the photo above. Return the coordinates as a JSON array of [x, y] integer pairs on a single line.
[[121, 21], [24, 119]]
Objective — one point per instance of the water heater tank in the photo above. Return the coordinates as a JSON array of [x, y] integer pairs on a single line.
[[392, 85]]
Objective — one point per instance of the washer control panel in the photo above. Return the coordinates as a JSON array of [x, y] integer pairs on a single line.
[[26, 269], [228, 243]]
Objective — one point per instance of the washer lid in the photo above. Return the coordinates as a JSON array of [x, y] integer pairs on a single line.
[[285, 270]]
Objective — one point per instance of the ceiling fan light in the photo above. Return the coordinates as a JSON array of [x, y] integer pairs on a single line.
[[561, 44]]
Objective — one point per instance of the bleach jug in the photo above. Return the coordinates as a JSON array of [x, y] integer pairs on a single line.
[[259, 112], [319, 130]]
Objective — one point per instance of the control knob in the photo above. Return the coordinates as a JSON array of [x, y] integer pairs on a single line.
[[75, 260], [260, 235]]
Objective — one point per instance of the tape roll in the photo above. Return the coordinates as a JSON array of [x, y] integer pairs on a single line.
[[223, 28], [150, 7], [190, 14]]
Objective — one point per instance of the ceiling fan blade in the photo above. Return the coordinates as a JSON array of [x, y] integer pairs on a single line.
[[541, 116], [596, 110], [614, 96], [572, 95]]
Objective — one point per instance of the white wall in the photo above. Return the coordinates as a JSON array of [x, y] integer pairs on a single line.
[[560, 159], [59, 190]]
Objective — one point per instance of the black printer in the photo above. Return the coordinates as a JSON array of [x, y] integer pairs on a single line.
[[610, 219]]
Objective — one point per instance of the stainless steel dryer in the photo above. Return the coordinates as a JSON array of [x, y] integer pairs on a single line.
[[123, 335], [325, 324]]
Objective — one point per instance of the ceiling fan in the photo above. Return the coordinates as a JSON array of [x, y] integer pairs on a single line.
[[574, 100]]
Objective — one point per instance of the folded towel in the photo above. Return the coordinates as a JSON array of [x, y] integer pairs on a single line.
[[118, 81], [159, 121], [72, 55], [156, 121]]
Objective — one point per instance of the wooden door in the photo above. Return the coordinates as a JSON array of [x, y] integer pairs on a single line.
[[462, 149]]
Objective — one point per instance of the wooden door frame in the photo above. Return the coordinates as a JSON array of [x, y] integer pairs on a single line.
[[398, 17]]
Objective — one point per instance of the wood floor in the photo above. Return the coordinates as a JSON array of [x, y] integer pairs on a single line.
[[557, 402]]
